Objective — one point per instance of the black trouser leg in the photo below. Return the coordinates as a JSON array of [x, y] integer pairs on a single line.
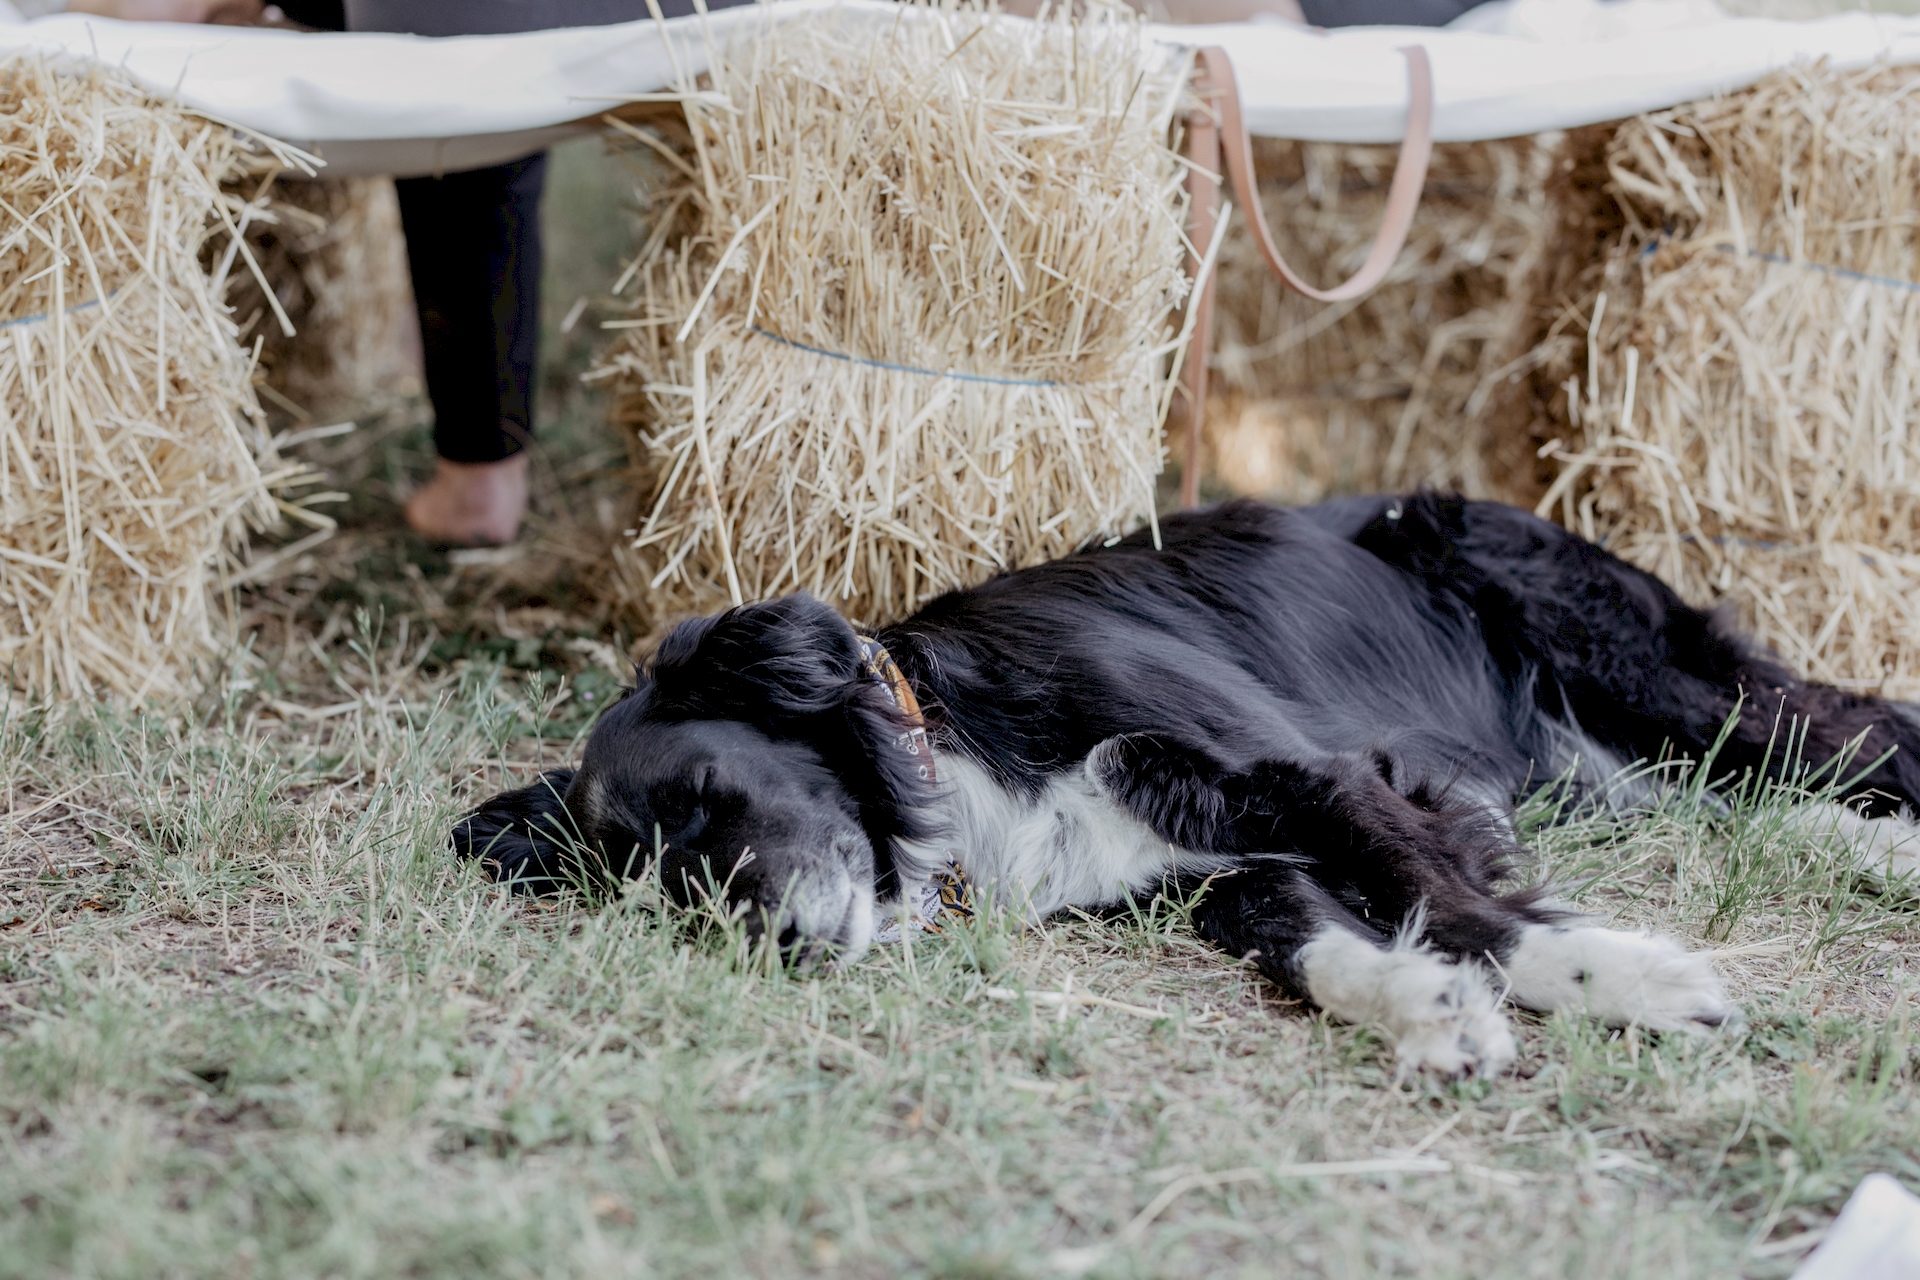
[[473, 249]]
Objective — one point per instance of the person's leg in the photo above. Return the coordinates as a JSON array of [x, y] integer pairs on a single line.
[[499, 17], [1384, 13], [473, 249]]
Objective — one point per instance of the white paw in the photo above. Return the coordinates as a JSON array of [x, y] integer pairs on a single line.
[[1442, 1017], [1890, 851], [1456, 1031], [1886, 849], [1621, 978]]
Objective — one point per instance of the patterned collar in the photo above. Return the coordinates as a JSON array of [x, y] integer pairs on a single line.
[[880, 667], [946, 896]]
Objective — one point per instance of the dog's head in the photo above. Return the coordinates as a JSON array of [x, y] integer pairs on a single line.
[[757, 757]]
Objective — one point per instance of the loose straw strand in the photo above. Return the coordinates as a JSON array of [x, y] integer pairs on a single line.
[[706, 470]]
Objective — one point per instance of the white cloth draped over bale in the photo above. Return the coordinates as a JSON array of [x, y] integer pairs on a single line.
[[918, 315], [374, 103], [132, 460]]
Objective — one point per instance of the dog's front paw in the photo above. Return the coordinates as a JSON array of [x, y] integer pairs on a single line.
[[1442, 1017], [1624, 979], [1457, 1031]]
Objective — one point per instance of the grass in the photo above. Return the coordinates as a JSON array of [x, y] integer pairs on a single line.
[[255, 1022]]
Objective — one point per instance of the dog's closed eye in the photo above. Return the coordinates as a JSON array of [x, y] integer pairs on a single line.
[[680, 807]]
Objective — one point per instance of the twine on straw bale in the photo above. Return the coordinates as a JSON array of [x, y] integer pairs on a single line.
[[335, 255], [131, 467], [1400, 388], [909, 315], [1739, 381]]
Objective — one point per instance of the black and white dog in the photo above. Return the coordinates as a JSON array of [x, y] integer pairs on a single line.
[[1323, 715]]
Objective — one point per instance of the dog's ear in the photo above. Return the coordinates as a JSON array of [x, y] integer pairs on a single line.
[[792, 667], [762, 663], [526, 837]]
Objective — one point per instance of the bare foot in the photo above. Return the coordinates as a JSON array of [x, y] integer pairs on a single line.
[[471, 504]]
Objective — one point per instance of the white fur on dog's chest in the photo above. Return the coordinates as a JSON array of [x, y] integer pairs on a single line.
[[1071, 846]]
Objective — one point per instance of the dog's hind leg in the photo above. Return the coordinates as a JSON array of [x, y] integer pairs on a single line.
[[1442, 1016], [1619, 653]]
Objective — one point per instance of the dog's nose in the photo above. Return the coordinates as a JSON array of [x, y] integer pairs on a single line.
[[797, 947], [810, 922], [762, 918]]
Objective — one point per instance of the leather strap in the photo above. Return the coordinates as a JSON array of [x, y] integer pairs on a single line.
[[1203, 219], [1403, 197], [1208, 145]]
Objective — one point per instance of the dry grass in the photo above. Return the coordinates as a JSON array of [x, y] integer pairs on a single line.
[[1399, 388], [994, 202], [133, 460], [1741, 409], [254, 1020]]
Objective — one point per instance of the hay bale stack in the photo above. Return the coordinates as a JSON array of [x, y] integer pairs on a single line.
[[131, 468], [914, 322], [1741, 405], [1398, 388], [333, 251]]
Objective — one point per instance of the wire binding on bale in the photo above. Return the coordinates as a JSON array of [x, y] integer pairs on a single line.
[[910, 314], [1738, 382], [132, 463]]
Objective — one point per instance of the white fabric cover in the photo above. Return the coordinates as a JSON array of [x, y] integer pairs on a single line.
[[406, 104]]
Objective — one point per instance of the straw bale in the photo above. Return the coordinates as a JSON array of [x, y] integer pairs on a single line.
[[1740, 383], [1398, 388], [946, 193], [335, 255], [131, 464]]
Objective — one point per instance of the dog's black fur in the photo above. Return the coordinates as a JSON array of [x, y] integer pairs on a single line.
[[1338, 704]]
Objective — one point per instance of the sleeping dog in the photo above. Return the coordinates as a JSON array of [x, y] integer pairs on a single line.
[[1319, 719]]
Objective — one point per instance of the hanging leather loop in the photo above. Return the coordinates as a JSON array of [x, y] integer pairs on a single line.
[[1218, 86], [1208, 145]]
